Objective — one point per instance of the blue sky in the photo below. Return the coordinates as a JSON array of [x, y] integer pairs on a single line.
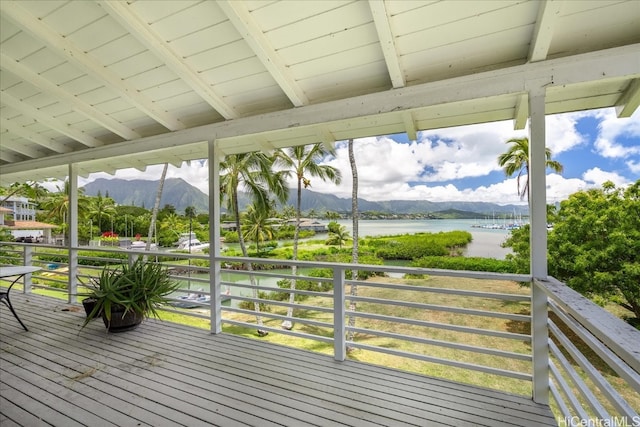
[[461, 163]]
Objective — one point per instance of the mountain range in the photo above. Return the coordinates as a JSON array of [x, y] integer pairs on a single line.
[[180, 194]]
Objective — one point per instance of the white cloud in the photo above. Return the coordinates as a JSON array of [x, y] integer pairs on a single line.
[[431, 167], [597, 176], [633, 166], [611, 128], [561, 133]]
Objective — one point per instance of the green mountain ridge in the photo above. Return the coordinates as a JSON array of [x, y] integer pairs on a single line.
[[180, 194]]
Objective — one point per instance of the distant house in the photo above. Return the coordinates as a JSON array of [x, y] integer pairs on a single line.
[[18, 215], [308, 224]]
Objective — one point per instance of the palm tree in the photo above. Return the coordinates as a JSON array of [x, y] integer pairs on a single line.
[[288, 212], [102, 207], [303, 161], [338, 236], [57, 204], [256, 226], [190, 212], [252, 172], [516, 161], [354, 252], [172, 222]]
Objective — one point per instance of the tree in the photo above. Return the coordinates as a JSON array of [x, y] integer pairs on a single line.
[[57, 204], [252, 172], [31, 190], [516, 161], [354, 252], [190, 212], [338, 235], [102, 207], [330, 215], [303, 161], [288, 212], [173, 223], [256, 226], [595, 244]]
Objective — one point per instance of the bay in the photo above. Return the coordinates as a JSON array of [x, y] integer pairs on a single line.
[[486, 241]]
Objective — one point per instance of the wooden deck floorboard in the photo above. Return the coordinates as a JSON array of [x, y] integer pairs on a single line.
[[166, 374]]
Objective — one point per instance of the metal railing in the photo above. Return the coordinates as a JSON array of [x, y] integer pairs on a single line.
[[590, 371], [594, 361]]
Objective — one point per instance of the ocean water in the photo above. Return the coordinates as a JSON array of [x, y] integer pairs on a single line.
[[486, 241]]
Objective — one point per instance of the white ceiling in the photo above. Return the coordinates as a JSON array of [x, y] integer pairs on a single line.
[[111, 85]]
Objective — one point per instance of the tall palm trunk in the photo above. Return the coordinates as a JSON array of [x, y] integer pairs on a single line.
[[354, 253], [287, 324], [247, 265], [156, 207]]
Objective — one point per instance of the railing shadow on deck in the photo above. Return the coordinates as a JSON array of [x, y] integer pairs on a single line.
[[472, 327]]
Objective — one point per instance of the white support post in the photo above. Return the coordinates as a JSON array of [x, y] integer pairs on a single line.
[[214, 237], [72, 222], [538, 236], [339, 338], [28, 261]]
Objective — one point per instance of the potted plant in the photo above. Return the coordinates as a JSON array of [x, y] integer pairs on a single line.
[[126, 295]]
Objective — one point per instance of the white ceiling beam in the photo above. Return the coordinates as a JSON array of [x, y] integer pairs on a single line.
[[548, 13], [6, 156], [63, 47], [410, 125], [123, 14], [630, 100], [325, 136], [615, 63], [56, 91], [36, 138], [244, 23], [32, 112], [18, 147], [521, 113], [387, 43]]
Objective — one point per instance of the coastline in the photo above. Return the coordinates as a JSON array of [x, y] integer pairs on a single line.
[[486, 242]]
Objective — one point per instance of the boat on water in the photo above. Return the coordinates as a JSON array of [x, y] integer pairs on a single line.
[[189, 242], [192, 245], [141, 246], [198, 300]]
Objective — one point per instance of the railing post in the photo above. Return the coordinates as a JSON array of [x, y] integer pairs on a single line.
[[215, 275], [539, 344], [28, 261], [339, 340], [72, 244]]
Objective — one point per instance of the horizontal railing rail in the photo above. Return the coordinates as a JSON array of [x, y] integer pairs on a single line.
[[398, 312]]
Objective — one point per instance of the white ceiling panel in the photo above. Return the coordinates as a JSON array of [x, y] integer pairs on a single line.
[[113, 84], [100, 33], [197, 16], [330, 20], [200, 41]]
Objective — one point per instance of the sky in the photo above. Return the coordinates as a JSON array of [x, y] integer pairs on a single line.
[[460, 163]]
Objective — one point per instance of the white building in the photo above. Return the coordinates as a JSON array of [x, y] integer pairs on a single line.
[[19, 216]]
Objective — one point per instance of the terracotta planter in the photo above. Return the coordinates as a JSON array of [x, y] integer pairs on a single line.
[[121, 321]]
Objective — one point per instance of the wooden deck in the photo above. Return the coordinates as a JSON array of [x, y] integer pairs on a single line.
[[163, 374]]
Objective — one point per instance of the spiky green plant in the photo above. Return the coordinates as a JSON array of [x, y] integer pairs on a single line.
[[141, 287]]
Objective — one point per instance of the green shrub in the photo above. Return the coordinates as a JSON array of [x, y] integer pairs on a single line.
[[408, 247], [466, 263]]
